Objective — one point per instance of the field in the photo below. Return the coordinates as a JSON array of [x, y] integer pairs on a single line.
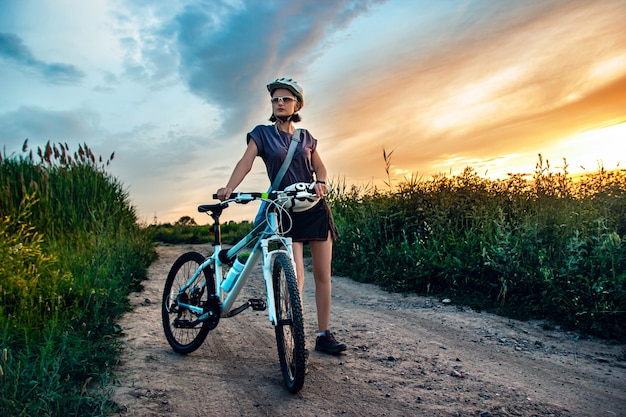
[[543, 246]]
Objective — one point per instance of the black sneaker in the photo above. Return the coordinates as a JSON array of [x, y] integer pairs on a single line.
[[328, 344]]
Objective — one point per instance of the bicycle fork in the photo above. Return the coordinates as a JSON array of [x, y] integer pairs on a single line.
[[268, 258]]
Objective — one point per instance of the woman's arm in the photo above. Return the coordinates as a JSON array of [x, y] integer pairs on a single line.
[[321, 189], [241, 170]]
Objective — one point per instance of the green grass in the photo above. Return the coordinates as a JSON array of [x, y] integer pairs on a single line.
[[70, 253], [185, 230], [547, 247]]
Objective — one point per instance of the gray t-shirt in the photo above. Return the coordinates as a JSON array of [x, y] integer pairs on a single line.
[[273, 150]]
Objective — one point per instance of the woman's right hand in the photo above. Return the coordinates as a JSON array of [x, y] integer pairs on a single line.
[[224, 193]]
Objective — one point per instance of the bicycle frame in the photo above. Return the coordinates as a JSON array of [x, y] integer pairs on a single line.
[[263, 236]]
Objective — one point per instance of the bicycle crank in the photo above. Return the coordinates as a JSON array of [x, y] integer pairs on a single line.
[[256, 303], [211, 315]]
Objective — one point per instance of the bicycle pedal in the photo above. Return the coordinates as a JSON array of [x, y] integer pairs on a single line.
[[257, 304]]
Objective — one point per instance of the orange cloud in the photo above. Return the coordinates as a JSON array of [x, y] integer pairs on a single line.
[[529, 83]]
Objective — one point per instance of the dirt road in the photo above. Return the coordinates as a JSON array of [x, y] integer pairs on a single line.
[[407, 356]]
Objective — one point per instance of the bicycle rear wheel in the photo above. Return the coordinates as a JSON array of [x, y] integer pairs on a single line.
[[290, 323], [183, 332]]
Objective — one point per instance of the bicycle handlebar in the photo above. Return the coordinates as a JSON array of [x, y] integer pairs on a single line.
[[299, 191], [299, 195], [243, 198]]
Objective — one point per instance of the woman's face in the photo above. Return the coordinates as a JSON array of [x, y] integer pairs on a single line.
[[284, 103]]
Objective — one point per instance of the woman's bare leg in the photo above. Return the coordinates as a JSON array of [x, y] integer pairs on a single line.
[[298, 257], [322, 253]]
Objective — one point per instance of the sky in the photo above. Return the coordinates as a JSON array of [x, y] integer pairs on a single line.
[[172, 87]]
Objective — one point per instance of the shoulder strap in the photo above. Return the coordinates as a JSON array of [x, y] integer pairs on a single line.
[[295, 139]]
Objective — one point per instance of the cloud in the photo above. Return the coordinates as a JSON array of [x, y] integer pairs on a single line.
[[487, 87], [227, 52], [41, 125], [12, 49]]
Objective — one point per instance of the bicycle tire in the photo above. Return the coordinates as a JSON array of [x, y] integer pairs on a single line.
[[290, 324], [183, 339]]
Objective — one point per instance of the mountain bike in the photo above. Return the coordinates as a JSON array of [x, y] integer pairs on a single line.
[[198, 293]]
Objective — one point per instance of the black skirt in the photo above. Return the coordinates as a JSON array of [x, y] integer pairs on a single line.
[[311, 225]]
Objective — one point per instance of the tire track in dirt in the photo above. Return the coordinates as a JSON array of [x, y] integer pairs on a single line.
[[407, 356]]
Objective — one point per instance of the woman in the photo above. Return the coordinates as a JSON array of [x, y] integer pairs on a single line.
[[314, 226]]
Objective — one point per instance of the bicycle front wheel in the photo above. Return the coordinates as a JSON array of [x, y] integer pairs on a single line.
[[182, 329], [290, 323]]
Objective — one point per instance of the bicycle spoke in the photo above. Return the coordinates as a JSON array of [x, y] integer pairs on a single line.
[[182, 329]]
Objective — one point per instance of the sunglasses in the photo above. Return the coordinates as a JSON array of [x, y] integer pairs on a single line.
[[286, 100]]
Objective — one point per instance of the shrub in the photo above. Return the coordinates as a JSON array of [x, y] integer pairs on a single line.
[[547, 247], [70, 252]]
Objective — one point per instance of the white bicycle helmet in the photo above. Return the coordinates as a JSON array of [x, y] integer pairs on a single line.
[[290, 84], [299, 203]]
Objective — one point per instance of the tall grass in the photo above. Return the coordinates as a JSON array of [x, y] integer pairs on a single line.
[[70, 252], [543, 247]]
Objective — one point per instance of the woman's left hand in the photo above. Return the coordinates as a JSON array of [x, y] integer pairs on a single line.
[[320, 189]]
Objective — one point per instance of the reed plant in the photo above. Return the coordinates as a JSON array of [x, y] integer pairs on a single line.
[[71, 250], [544, 245]]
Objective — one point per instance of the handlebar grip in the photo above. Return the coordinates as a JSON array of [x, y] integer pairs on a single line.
[[235, 195]]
